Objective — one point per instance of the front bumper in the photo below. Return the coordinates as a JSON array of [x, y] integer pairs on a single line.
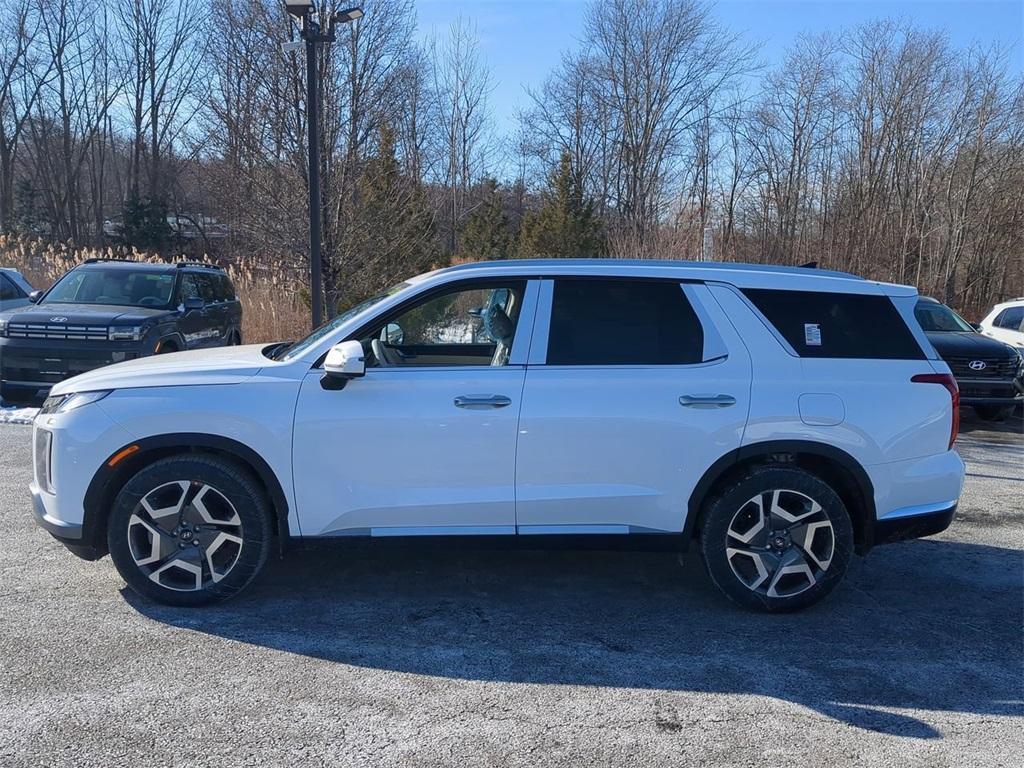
[[982, 391], [68, 534], [31, 366]]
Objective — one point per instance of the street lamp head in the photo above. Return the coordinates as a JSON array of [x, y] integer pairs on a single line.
[[347, 15], [298, 8]]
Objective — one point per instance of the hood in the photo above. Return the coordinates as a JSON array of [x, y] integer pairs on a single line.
[[84, 314], [220, 365], [964, 344]]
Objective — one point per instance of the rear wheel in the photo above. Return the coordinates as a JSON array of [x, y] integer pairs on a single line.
[[189, 530], [993, 412], [778, 539]]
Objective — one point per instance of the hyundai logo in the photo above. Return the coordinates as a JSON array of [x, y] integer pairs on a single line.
[[64, 320], [977, 365]]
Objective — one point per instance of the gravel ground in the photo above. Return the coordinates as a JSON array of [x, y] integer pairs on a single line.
[[366, 658]]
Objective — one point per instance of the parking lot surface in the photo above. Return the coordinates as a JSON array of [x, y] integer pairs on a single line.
[[487, 658]]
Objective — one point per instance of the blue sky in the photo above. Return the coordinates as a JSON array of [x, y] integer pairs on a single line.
[[522, 41]]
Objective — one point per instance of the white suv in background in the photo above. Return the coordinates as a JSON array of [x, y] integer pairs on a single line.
[[1006, 323], [778, 419]]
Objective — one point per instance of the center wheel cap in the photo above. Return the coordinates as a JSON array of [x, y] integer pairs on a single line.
[[186, 535]]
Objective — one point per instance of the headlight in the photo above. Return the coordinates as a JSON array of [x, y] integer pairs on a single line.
[[64, 403], [126, 332], [3, 326]]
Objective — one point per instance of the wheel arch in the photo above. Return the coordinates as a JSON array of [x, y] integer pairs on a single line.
[[833, 465], [115, 472]]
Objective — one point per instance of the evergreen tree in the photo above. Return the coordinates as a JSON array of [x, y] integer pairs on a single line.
[[486, 234], [27, 216], [145, 224], [565, 225], [391, 232]]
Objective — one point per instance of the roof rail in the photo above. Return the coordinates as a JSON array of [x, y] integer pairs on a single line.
[[182, 264], [101, 259]]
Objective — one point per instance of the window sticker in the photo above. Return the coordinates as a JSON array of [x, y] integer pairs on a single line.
[[812, 334]]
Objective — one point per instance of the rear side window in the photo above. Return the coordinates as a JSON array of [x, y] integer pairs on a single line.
[[842, 325], [225, 291], [7, 289], [1012, 319], [623, 322]]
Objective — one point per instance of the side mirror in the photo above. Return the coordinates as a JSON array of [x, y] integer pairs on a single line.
[[392, 334], [193, 302], [344, 361], [976, 326], [35, 296]]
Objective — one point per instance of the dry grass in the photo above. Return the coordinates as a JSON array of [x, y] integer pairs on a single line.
[[272, 304]]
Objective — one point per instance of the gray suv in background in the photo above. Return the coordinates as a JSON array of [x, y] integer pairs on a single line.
[[107, 311]]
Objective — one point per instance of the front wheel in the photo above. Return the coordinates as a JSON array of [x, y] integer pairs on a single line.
[[993, 412], [778, 539], [189, 530]]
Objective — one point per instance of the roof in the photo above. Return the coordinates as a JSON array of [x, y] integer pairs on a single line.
[[148, 266], [737, 274]]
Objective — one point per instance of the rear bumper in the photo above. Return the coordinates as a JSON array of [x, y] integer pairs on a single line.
[[913, 526]]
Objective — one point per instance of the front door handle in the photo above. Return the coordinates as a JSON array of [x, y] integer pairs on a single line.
[[707, 401], [482, 402]]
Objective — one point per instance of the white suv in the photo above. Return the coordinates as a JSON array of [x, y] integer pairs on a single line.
[[780, 419], [1006, 323]]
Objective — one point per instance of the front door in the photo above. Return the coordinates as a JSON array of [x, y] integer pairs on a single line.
[[635, 387], [424, 443]]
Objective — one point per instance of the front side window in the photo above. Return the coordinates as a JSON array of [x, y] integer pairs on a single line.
[[118, 286], [464, 326], [623, 322]]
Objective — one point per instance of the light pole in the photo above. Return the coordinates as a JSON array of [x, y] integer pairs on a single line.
[[310, 30]]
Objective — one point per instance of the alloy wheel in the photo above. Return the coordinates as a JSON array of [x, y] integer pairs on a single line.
[[185, 535], [780, 543]]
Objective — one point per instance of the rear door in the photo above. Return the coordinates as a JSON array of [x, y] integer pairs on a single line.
[[194, 324], [634, 388]]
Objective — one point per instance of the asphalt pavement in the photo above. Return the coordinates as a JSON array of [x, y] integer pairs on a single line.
[[484, 658]]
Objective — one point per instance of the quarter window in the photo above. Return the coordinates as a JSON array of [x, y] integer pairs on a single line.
[[623, 322], [837, 325]]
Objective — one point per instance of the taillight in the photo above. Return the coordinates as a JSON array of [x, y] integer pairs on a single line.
[[946, 380]]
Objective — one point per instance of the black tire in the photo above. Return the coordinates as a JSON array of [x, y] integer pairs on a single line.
[[737, 568], [193, 564], [993, 412]]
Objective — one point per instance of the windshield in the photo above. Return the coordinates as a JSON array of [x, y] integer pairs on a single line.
[[939, 317], [119, 286], [294, 350]]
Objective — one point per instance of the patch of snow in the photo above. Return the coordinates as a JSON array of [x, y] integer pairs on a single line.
[[12, 414]]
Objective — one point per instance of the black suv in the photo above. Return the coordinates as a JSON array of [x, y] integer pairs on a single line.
[[106, 311], [988, 372]]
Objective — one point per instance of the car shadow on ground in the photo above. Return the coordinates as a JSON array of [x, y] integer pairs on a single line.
[[925, 625]]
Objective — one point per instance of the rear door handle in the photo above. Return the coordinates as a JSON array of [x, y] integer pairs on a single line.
[[482, 402], [707, 401]]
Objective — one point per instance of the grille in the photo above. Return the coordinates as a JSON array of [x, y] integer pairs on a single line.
[[50, 331], [995, 367]]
